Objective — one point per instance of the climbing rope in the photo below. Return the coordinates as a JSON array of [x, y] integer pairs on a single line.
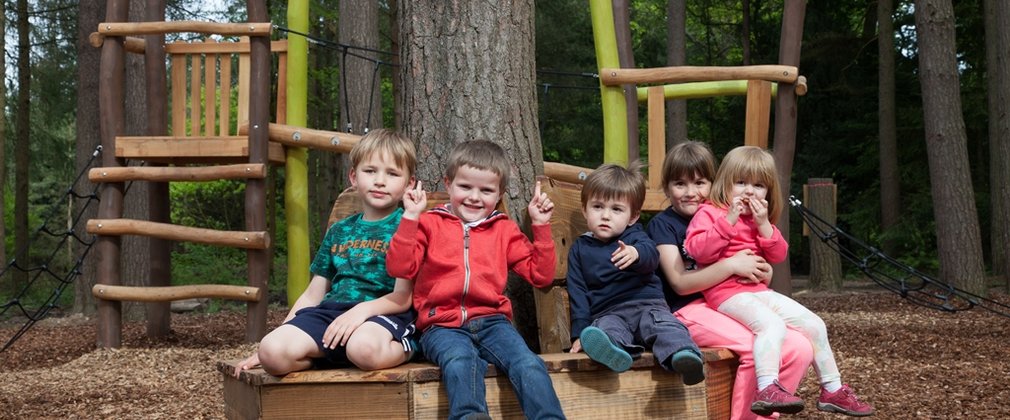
[[47, 272], [904, 280]]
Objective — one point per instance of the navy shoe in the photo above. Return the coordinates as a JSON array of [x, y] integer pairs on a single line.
[[598, 346], [689, 365]]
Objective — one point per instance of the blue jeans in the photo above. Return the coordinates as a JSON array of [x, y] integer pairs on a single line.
[[463, 354]]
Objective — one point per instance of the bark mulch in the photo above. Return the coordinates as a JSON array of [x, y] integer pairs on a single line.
[[910, 362]]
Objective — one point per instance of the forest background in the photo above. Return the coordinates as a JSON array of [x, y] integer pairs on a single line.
[[839, 133]]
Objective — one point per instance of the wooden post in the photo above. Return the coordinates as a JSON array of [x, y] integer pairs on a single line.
[[825, 263], [255, 193], [111, 82], [159, 210]]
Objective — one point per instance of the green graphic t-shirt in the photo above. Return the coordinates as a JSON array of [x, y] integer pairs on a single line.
[[353, 257]]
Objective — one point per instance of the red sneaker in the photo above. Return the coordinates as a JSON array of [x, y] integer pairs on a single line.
[[775, 399], [843, 401]]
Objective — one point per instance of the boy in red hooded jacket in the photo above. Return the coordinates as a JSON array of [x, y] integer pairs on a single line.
[[459, 256]]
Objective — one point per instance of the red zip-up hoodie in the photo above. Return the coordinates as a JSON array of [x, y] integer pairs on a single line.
[[459, 273]]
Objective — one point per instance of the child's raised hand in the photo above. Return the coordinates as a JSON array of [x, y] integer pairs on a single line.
[[415, 200], [734, 210], [759, 209], [540, 207], [624, 255]]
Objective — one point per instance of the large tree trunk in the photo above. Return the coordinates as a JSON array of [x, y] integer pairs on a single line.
[[676, 55], [360, 96], [21, 145], [890, 181], [3, 135], [959, 243], [997, 43], [89, 15], [467, 72]]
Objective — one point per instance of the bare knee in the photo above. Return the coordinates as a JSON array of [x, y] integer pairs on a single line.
[[282, 352], [372, 354]]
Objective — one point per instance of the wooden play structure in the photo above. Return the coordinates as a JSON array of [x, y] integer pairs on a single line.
[[203, 141]]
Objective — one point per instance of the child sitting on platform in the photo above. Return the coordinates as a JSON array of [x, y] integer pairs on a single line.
[[617, 304], [353, 312], [458, 256]]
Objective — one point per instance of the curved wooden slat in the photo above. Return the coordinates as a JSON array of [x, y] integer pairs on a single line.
[[209, 28], [178, 173], [683, 74], [236, 239], [170, 293]]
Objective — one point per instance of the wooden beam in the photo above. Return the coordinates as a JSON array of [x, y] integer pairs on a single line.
[[239, 47], [290, 135], [567, 173], [682, 74], [170, 293], [190, 149], [133, 44], [207, 28], [236, 239], [178, 173], [657, 136], [759, 108]]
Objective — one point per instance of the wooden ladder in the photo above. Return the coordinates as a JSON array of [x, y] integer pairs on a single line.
[[204, 145]]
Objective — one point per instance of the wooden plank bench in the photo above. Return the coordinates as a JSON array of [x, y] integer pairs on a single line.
[[586, 389]]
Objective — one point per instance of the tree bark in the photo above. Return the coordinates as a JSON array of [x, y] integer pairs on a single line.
[[3, 137], [360, 96], [22, 146], [959, 243], [890, 180], [676, 55], [467, 72], [997, 41], [825, 263], [89, 15], [626, 58]]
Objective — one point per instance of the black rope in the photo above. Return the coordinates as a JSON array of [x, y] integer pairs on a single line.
[[43, 273], [893, 275]]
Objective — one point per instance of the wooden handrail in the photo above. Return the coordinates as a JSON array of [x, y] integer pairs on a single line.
[[170, 293], [290, 135], [683, 74], [178, 173], [567, 173], [236, 239], [133, 44], [208, 28]]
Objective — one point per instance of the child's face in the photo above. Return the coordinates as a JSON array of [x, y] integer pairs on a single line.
[[687, 193], [380, 182], [473, 193], [607, 219], [748, 190]]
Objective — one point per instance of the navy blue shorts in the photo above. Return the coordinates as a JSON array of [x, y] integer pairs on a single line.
[[314, 321]]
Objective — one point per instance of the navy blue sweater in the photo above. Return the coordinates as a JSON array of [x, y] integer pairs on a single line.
[[595, 284]]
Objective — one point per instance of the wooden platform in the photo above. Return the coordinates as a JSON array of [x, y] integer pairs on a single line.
[[586, 389]]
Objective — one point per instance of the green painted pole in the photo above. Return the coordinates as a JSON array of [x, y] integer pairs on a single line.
[[615, 115], [296, 174]]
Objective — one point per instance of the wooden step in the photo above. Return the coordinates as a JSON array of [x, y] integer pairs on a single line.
[[170, 293], [183, 150], [235, 239], [178, 173], [587, 390]]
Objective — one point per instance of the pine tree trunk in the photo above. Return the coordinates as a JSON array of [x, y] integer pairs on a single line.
[[467, 72], [89, 15], [676, 55], [890, 185], [959, 242], [3, 135], [997, 40], [21, 146]]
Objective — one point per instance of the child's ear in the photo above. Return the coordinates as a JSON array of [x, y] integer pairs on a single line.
[[412, 183], [353, 177], [447, 182], [634, 218]]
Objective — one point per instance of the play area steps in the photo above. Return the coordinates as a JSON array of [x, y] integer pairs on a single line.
[[587, 390], [178, 173], [192, 149], [235, 239]]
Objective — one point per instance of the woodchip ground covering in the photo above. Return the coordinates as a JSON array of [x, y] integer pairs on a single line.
[[910, 362]]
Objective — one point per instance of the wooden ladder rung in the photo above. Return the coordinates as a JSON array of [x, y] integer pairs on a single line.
[[236, 239], [170, 293], [178, 173]]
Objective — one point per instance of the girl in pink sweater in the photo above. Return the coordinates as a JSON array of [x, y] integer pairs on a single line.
[[745, 202]]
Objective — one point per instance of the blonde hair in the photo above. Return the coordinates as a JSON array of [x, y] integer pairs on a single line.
[[614, 182], [752, 164], [689, 159], [382, 140], [480, 154]]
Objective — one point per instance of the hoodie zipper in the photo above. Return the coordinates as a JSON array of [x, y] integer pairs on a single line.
[[466, 270]]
